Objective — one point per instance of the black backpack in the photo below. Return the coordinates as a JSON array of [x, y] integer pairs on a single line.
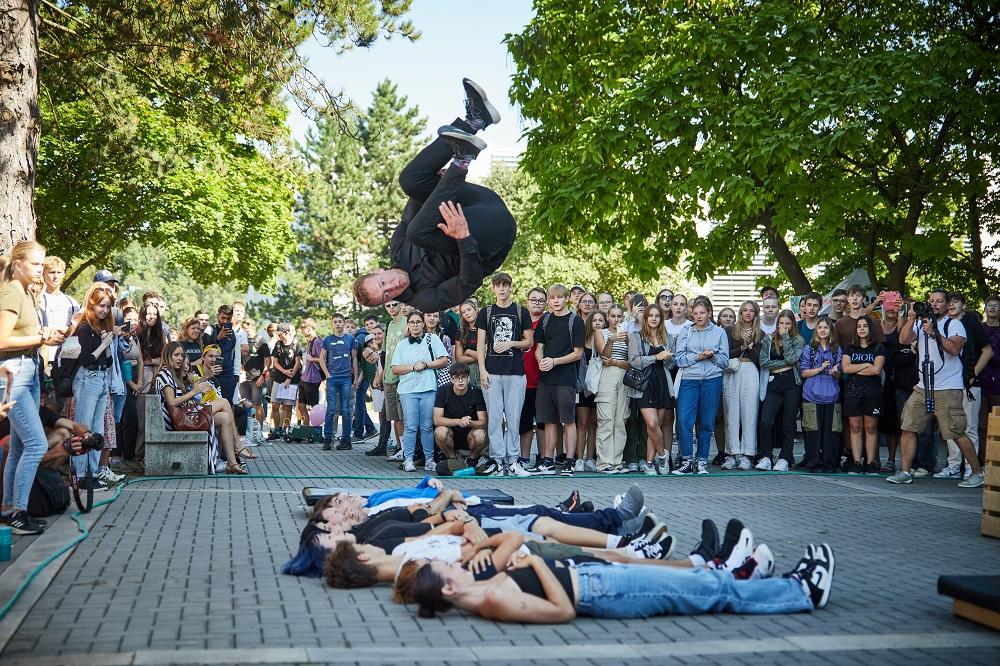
[[63, 373], [49, 494]]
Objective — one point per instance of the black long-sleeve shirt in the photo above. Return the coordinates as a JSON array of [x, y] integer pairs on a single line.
[[90, 340], [440, 281]]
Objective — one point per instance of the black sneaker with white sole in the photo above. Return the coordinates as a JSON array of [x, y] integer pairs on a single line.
[[567, 468], [733, 529], [479, 113], [543, 467], [708, 547], [22, 524], [817, 575], [464, 146]]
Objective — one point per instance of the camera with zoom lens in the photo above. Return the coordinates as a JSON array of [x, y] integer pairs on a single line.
[[92, 441], [922, 309]]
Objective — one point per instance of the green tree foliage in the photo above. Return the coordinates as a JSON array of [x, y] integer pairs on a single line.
[[165, 124], [143, 269], [535, 260], [828, 133], [349, 206]]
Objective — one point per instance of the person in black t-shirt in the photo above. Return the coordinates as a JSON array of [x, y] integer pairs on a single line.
[[559, 339], [460, 415], [863, 360], [504, 335]]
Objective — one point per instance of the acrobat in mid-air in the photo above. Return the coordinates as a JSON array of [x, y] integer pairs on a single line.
[[452, 232]]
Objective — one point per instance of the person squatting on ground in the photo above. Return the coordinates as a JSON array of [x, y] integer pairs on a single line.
[[452, 232]]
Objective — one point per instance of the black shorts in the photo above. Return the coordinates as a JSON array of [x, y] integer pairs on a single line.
[[527, 412], [309, 394], [555, 404], [460, 437], [866, 406]]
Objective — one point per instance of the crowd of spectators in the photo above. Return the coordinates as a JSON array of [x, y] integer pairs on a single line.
[[565, 381]]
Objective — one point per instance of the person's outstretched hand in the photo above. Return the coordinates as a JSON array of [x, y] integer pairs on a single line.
[[454, 225]]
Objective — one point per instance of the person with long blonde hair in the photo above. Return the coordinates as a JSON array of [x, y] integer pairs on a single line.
[[612, 401], [650, 347], [740, 389], [781, 385], [21, 337]]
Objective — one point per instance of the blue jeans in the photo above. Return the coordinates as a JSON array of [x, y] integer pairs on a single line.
[[362, 422], [90, 389], [338, 399], [608, 521], [27, 436], [418, 412], [697, 398], [631, 591]]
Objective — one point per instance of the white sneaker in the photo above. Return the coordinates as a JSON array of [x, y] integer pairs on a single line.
[[589, 465], [781, 465], [730, 463], [764, 465], [515, 469], [918, 473], [640, 467], [408, 466], [220, 467], [431, 467], [649, 470], [745, 463], [949, 472], [702, 467], [396, 457]]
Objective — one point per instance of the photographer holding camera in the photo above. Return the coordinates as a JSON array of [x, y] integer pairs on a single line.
[[940, 385]]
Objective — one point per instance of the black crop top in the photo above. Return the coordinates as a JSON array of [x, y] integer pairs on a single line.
[[527, 580]]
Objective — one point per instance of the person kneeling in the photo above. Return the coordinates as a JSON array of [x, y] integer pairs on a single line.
[[460, 417]]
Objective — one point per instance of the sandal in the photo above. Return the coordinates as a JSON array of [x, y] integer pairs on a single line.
[[235, 469], [247, 453]]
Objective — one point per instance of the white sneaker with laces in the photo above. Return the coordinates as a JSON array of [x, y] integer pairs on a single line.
[[516, 469], [589, 465], [949, 472], [397, 456], [408, 466], [431, 467], [781, 465], [764, 465], [578, 465], [703, 467], [730, 463], [745, 463]]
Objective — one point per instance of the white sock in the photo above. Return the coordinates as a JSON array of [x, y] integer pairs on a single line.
[[613, 541], [697, 560]]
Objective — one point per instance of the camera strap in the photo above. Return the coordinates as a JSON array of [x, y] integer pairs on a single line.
[[74, 482]]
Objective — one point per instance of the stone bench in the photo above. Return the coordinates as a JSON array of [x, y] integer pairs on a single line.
[[170, 453]]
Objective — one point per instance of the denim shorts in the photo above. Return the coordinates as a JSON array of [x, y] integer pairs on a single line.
[[521, 524]]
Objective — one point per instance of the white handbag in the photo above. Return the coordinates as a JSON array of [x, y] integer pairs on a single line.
[[70, 348], [594, 375]]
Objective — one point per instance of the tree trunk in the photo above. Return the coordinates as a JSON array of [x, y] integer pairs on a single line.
[[19, 120], [786, 258], [976, 187]]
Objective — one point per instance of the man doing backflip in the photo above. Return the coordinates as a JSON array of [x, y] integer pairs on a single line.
[[452, 233]]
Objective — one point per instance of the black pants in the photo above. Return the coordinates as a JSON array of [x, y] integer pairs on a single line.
[[635, 435], [783, 397], [128, 426], [822, 444], [227, 386], [490, 222]]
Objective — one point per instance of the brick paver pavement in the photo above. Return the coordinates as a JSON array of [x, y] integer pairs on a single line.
[[186, 571]]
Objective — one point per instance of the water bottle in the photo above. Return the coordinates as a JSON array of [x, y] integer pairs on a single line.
[[6, 541], [465, 471]]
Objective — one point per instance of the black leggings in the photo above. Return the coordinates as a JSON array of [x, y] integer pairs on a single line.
[[490, 222]]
